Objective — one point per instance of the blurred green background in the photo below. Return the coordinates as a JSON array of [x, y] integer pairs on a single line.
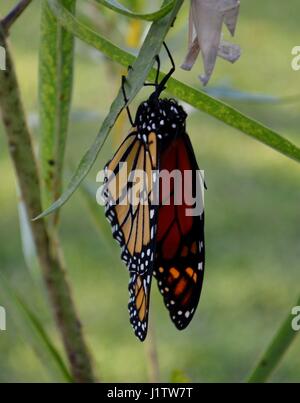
[[252, 211]]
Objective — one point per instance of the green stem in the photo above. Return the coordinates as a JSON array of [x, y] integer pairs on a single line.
[[50, 259], [55, 94], [275, 351]]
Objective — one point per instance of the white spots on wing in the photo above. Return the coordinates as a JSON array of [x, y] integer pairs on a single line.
[[152, 233]]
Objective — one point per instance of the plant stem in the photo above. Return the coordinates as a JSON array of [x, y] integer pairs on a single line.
[[14, 14], [275, 351], [50, 258], [152, 356]]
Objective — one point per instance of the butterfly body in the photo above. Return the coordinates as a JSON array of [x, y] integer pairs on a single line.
[[165, 117], [157, 235]]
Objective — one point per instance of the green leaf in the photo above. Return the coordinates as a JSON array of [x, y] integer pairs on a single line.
[[234, 118], [196, 98], [275, 351], [37, 325], [154, 16], [55, 93], [136, 79], [30, 328]]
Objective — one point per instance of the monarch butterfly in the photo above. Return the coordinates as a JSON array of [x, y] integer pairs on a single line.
[[157, 239]]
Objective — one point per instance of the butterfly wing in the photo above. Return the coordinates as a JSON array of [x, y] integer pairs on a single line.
[[129, 190], [179, 265]]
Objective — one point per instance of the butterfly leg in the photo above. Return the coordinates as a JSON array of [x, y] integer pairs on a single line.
[[157, 59], [161, 86], [126, 101], [170, 56]]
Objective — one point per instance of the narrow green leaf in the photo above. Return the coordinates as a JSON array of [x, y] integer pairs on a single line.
[[227, 93], [55, 92], [136, 79], [275, 351], [196, 98], [29, 327], [37, 325], [121, 9], [234, 118]]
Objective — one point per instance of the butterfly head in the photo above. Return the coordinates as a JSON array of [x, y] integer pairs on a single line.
[[162, 116]]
